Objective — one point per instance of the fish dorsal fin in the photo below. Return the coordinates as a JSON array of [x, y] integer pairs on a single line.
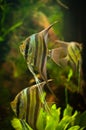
[[62, 43], [45, 31]]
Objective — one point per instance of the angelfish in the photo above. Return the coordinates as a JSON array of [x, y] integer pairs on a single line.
[[35, 51], [26, 105], [72, 56]]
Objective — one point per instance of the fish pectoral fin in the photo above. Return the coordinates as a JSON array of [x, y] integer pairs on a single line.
[[57, 54]]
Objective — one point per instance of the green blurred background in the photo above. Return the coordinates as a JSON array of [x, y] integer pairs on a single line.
[[19, 19]]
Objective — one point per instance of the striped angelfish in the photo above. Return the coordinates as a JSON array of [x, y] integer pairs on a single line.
[[35, 51], [27, 104], [72, 56]]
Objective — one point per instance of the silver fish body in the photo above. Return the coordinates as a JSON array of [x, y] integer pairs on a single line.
[[27, 104], [35, 51], [72, 57], [72, 52]]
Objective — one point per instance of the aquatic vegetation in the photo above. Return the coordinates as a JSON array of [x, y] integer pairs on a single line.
[[69, 121], [5, 30]]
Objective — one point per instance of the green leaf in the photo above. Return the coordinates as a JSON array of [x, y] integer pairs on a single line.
[[40, 124], [20, 124], [68, 111], [16, 124], [81, 119], [53, 118], [55, 112], [83, 128], [74, 128], [51, 123], [70, 74], [12, 28], [64, 123], [1, 39]]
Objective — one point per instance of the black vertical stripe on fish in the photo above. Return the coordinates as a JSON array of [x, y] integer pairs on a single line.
[[31, 107], [78, 47], [39, 52], [34, 103], [43, 63], [36, 108], [73, 52], [36, 49], [28, 103], [18, 105], [26, 50], [71, 58]]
